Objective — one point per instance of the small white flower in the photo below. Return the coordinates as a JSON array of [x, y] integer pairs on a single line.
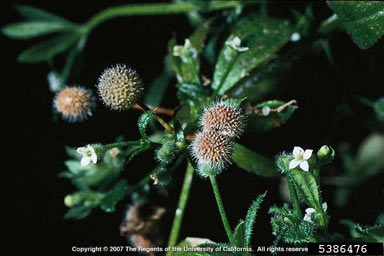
[[310, 211], [89, 154], [184, 51], [308, 214], [325, 206], [54, 81], [266, 110], [235, 44], [295, 37], [300, 158]]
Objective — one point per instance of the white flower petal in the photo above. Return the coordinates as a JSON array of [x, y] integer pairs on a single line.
[[266, 110], [308, 218], [325, 206], [236, 41], [310, 211], [187, 43], [85, 161], [293, 164], [94, 158], [81, 150], [307, 154], [90, 148], [304, 166], [177, 50], [242, 49], [297, 151]]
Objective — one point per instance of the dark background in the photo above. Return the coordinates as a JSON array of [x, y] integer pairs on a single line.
[[141, 43]]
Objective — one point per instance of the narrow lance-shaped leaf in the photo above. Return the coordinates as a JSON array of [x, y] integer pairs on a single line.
[[307, 188], [38, 14], [253, 162], [263, 36], [27, 30], [115, 195], [238, 234], [251, 218], [157, 89], [363, 20], [46, 50]]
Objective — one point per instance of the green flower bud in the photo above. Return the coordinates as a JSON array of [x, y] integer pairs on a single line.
[[166, 152], [68, 201], [325, 154], [282, 162]]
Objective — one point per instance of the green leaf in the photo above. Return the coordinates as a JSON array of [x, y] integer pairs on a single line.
[[363, 20], [199, 36], [75, 167], [264, 36], [157, 89], [188, 91], [78, 212], [299, 233], [239, 234], [274, 119], [31, 29], [307, 188], [143, 123], [251, 218], [115, 195], [72, 153], [368, 161], [34, 13], [253, 162], [378, 107], [366, 233], [46, 50]]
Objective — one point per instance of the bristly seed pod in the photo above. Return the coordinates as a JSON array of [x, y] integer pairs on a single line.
[[212, 151], [75, 104], [224, 116], [120, 87]]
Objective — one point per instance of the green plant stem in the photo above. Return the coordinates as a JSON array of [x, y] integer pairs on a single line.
[[121, 144], [293, 195], [181, 207], [220, 205], [154, 9]]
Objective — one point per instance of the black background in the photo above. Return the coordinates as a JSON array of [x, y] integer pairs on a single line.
[[141, 43]]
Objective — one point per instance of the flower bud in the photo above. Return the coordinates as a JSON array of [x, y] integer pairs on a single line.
[[166, 152], [325, 154], [68, 201], [282, 162], [120, 87], [54, 81], [75, 104]]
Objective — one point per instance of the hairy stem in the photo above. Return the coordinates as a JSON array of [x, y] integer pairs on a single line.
[[181, 206], [220, 205], [293, 195], [121, 144], [154, 9]]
